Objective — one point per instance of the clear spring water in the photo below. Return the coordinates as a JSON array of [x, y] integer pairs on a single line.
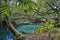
[[27, 29]]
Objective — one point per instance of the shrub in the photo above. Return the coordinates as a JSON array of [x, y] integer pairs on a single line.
[[48, 27]]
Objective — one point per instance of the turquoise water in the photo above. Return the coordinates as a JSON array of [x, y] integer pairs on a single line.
[[25, 29], [28, 29]]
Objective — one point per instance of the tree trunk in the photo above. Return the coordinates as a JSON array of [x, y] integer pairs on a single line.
[[12, 28]]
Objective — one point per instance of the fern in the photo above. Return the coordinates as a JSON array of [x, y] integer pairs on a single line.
[[4, 10]]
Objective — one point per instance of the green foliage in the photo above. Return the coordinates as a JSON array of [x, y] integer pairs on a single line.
[[27, 5], [58, 34], [4, 10], [47, 28], [22, 7]]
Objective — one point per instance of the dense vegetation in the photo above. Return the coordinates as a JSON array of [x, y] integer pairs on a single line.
[[32, 12]]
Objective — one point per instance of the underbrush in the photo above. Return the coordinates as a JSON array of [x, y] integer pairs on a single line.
[[47, 32]]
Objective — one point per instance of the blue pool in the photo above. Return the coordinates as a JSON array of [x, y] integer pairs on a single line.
[[26, 29]]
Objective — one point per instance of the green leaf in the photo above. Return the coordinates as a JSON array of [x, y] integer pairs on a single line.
[[4, 10]]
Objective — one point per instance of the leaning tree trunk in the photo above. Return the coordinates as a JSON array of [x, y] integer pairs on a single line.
[[12, 28]]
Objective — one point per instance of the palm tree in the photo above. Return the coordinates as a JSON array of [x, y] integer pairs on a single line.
[[4, 10]]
